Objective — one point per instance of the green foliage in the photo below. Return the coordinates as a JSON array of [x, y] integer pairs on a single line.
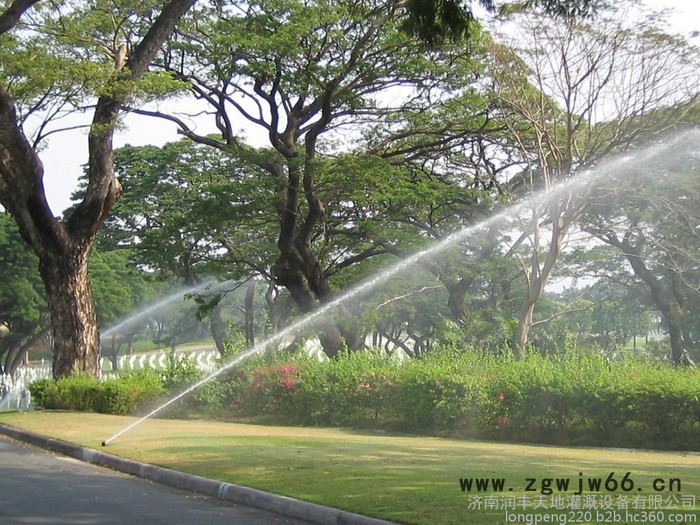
[[181, 371], [355, 388], [21, 291], [180, 200], [575, 397], [118, 285], [128, 394], [435, 20], [123, 395]]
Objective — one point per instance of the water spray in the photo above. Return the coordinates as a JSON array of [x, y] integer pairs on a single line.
[[611, 169], [211, 285]]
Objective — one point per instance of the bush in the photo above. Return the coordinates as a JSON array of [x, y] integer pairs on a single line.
[[577, 397], [181, 371], [354, 388], [121, 395], [128, 394]]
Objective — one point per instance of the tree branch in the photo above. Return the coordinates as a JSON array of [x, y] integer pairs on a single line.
[[11, 16], [103, 187]]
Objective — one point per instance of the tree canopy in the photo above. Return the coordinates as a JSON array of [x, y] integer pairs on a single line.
[[382, 127]]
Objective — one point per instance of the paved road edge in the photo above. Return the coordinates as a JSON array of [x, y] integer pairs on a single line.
[[282, 505]]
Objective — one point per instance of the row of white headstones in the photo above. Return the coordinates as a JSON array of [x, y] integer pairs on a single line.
[[205, 360]]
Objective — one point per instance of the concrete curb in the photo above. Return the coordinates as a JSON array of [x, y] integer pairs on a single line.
[[282, 505]]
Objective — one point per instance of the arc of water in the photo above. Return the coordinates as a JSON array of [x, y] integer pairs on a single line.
[[163, 302], [612, 169]]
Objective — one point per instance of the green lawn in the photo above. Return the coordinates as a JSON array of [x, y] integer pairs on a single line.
[[401, 478]]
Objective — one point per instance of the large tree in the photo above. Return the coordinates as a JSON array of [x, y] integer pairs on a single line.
[[193, 214], [653, 222], [49, 66], [574, 92], [306, 75]]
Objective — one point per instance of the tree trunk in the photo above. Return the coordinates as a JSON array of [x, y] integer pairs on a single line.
[[250, 313], [457, 299], [74, 323], [664, 301], [289, 274], [539, 272], [522, 333], [218, 328]]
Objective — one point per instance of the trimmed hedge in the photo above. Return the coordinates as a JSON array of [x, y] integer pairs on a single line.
[[572, 399], [122, 395], [583, 399]]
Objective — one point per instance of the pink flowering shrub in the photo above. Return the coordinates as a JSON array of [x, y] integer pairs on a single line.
[[269, 389]]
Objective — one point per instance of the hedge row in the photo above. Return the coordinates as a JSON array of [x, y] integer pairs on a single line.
[[579, 398], [121, 395]]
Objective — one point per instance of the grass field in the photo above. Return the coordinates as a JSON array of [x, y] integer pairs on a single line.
[[406, 479]]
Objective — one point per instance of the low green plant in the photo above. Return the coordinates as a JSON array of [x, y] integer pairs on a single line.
[[120, 395], [180, 371], [578, 397], [575, 397]]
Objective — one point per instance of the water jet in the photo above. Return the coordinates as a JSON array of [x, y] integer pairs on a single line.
[[161, 304]]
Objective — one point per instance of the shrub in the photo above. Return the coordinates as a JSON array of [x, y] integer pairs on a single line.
[[271, 388], [355, 388], [577, 397], [128, 394], [39, 390], [120, 395], [181, 371]]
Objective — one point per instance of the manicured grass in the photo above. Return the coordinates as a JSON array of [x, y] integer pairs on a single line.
[[401, 478]]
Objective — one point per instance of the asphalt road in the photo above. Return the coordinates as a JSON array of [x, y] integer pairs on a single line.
[[37, 487]]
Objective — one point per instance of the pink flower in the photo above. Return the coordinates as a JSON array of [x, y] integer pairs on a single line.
[[287, 370], [290, 382]]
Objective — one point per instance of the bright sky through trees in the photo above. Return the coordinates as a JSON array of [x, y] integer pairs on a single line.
[[66, 152]]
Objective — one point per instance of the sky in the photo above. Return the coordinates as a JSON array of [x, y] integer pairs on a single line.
[[66, 152]]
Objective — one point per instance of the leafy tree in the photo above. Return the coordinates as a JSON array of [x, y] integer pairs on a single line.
[[574, 92], [193, 214], [653, 223], [23, 319], [316, 68], [48, 68]]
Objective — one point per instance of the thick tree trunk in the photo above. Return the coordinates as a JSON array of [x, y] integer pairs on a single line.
[[457, 299], [665, 300], [74, 323], [670, 309], [290, 275], [675, 334]]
